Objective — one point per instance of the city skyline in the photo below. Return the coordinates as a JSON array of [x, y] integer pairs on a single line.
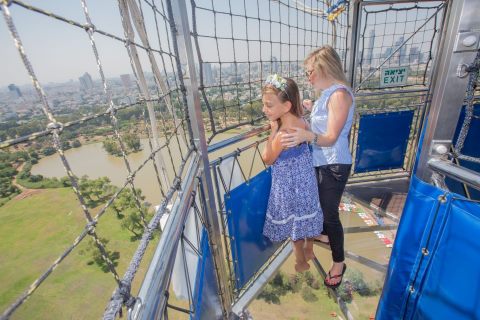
[[57, 59]]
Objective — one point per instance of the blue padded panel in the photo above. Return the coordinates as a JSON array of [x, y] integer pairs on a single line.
[[419, 206], [450, 284], [445, 280], [470, 148]]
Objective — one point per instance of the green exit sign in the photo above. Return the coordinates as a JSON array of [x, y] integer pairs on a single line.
[[393, 76]]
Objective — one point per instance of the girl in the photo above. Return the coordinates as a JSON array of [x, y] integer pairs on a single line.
[[293, 206], [331, 120]]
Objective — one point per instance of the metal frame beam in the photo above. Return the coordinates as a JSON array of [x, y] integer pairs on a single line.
[[448, 87], [185, 53], [465, 176], [262, 279]]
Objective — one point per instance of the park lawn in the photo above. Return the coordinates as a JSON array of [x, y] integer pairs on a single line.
[[34, 232], [293, 307]]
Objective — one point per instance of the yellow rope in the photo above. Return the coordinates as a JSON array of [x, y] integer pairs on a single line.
[[332, 16]]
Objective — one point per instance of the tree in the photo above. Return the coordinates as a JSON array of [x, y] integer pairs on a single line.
[[65, 181], [95, 191], [48, 151], [126, 209], [65, 145], [132, 141], [112, 147], [34, 155], [76, 144], [254, 109], [308, 295], [133, 223], [296, 282], [275, 288], [96, 256], [354, 282]]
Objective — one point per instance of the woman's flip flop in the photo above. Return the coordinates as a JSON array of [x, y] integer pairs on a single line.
[[334, 286]]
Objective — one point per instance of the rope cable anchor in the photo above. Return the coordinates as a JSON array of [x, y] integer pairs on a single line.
[[5, 3]]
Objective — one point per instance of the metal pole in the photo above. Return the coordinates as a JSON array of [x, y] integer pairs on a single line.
[[152, 297], [354, 21], [449, 88], [185, 52], [456, 172], [129, 35]]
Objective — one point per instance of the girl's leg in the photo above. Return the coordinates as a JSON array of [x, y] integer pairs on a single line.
[[309, 254], [301, 264]]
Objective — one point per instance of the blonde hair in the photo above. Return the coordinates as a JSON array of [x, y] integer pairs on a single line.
[[326, 60]]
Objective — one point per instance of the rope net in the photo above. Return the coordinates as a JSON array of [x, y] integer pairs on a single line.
[[395, 35], [153, 108], [238, 44]]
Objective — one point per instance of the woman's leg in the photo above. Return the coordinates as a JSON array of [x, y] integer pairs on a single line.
[[300, 260], [332, 181]]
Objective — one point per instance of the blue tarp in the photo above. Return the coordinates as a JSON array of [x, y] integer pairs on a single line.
[[246, 206], [206, 300], [382, 141]]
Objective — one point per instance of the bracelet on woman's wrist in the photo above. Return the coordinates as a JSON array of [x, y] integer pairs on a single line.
[[315, 138]]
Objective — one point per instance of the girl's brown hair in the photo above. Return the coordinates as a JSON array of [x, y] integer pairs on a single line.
[[326, 60], [291, 93]]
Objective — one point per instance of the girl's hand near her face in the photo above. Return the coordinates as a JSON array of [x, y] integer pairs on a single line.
[[308, 104], [274, 126], [273, 147]]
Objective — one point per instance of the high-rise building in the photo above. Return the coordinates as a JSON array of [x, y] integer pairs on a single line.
[[275, 65], [207, 74], [86, 82], [127, 83], [401, 54], [14, 90], [388, 51], [414, 55], [369, 49]]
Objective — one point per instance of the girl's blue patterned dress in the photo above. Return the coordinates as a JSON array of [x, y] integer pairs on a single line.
[[293, 206]]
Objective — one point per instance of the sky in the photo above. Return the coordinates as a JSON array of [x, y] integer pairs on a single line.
[[60, 52]]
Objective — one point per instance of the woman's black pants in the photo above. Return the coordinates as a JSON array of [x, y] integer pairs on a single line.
[[332, 179]]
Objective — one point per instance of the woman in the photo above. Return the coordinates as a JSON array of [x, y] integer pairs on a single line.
[[331, 120]]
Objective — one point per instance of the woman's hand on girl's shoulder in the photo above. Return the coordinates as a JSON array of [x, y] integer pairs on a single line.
[[295, 137]]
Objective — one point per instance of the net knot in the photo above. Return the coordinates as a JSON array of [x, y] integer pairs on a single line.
[[89, 27], [55, 126]]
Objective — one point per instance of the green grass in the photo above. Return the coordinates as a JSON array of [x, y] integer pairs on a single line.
[[34, 232], [45, 183], [293, 307], [5, 200]]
